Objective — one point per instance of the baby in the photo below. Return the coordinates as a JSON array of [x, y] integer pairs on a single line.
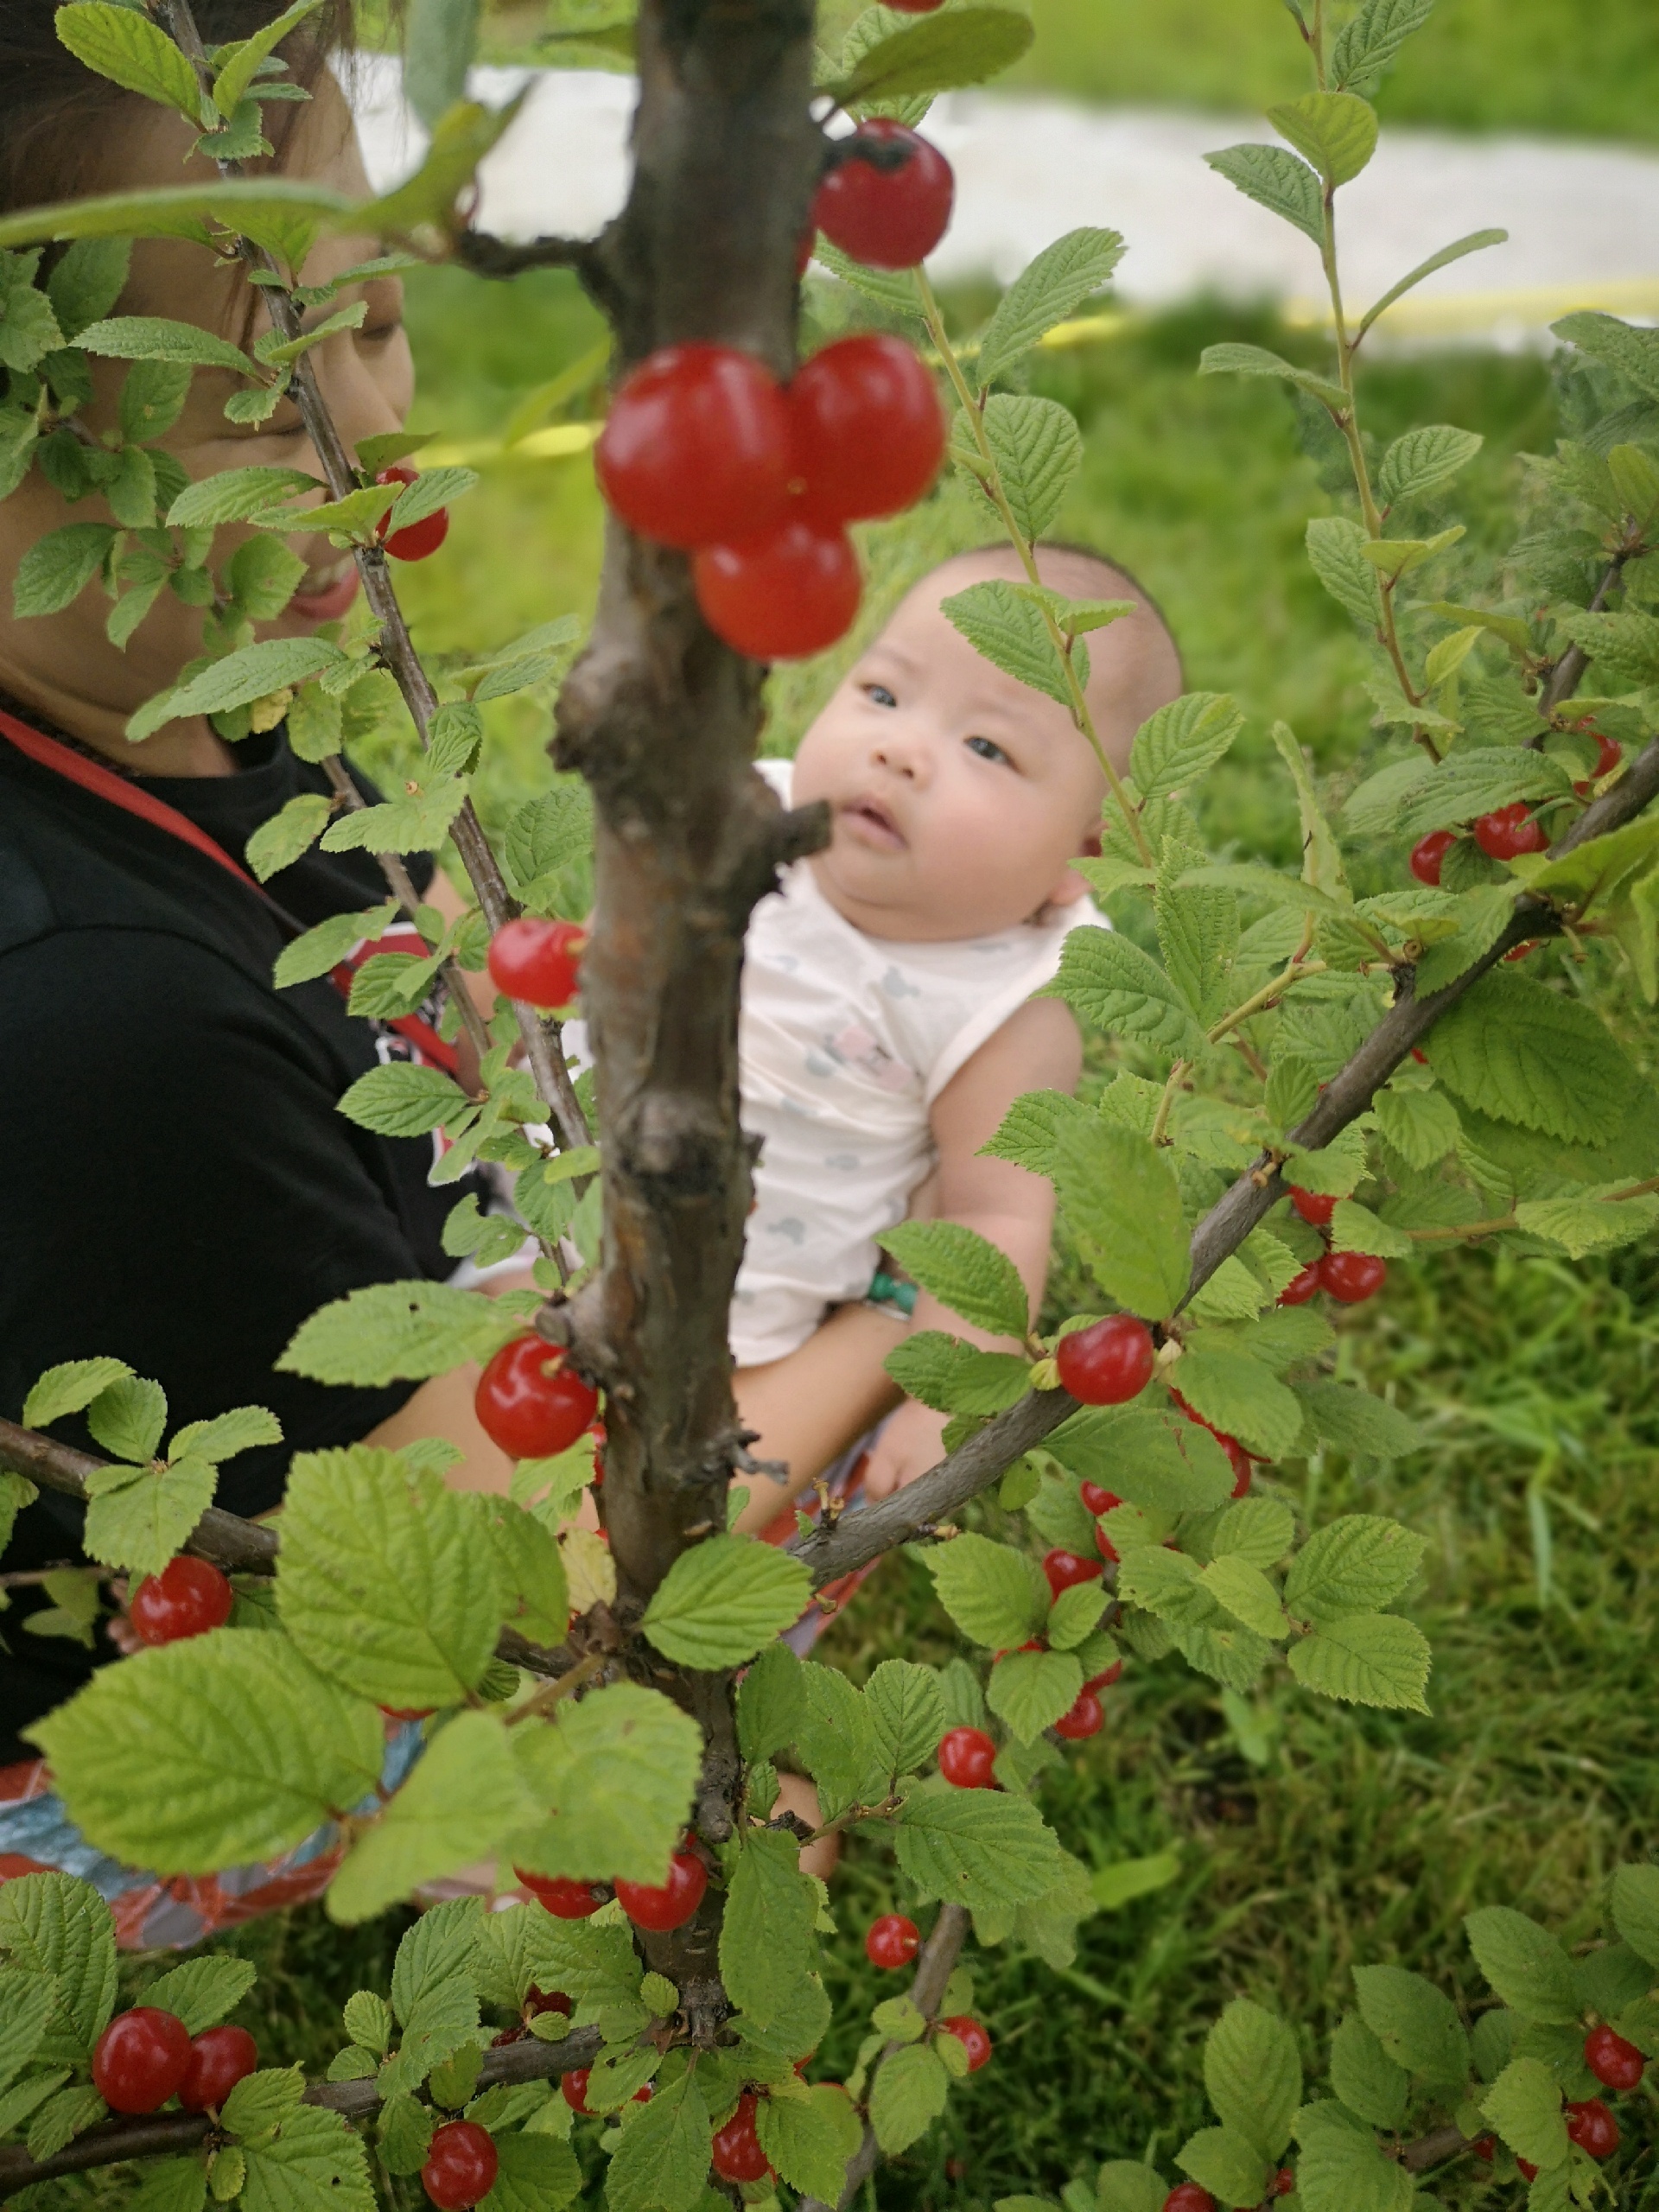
[[887, 1018]]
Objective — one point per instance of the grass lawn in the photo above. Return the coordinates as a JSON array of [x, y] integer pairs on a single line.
[[1309, 1839]]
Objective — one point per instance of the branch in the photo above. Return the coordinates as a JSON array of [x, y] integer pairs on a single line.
[[857, 1538], [113, 2140], [486, 256], [1432, 2149], [1568, 673]]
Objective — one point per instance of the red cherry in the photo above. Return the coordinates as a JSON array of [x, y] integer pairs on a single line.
[[1508, 831], [889, 219], [564, 1899], [1099, 1501], [538, 2001], [1106, 1548], [187, 1598], [736, 2149], [1299, 1289], [538, 961], [916, 7], [1113, 1673], [696, 450], [1239, 1461], [1109, 1362], [219, 2058], [1420, 1056], [968, 1759], [141, 2059], [1187, 2196], [1427, 855], [460, 2166], [1485, 2147], [1528, 2172], [783, 595], [1066, 1569], [421, 538], [972, 2036], [1312, 1205], [1592, 2127], [1083, 1719], [1284, 2181], [893, 1941], [574, 2085], [869, 431], [1352, 1276], [672, 1905], [408, 1711], [1609, 754], [1611, 2060], [529, 1403]]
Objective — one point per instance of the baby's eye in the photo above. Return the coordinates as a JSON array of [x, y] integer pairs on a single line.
[[878, 696], [986, 750]]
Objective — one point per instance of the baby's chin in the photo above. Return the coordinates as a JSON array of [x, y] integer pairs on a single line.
[[890, 895]]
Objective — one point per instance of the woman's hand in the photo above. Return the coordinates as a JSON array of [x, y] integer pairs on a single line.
[[911, 1443]]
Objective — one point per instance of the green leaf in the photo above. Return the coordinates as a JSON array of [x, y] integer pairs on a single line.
[[1416, 2023], [1275, 180], [1047, 291], [396, 1330], [907, 2095], [1365, 1659], [86, 282], [1241, 1588], [1337, 131], [1029, 1690], [236, 493], [208, 1753], [1183, 741], [1357, 1423], [259, 2100], [463, 1798], [1524, 2105], [314, 2163], [58, 568], [1226, 2163], [154, 338], [122, 44], [253, 673], [995, 1595], [402, 1099], [138, 1519], [418, 821], [440, 41], [290, 832], [662, 2161], [387, 1579], [239, 64], [268, 210], [1073, 1617], [1336, 552], [907, 1708], [771, 1703], [534, 2173], [1423, 460], [1256, 1529], [964, 1272], [724, 1600], [1357, 1564], [1341, 2167], [30, 1999], [767, 1944], [1421, 1126], [1253, 2075], [616, 1774], [202, 1991], [1255, 360], [952, 1376], [1363, 2075], [127, 1417], [54, 1925], [1526, 1966], [809, 2140], [1237, 1395], [965, 45], [1474, 780], [979, 1848], [1635, 1910], [1125, 1879], [62, 2117], [1008, 629], [1110, 983], [328, 944], [1526, 1054], [1369, 42], [171, 2185], [1148, 1458], [1037, 448], [28, 329]]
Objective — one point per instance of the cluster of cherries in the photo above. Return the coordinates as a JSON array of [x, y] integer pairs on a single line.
[[1507, 831], [1112, 1361], [660, 1909], [1351, 1277], [1617, 2065], [147, 2055], [893, 1940]]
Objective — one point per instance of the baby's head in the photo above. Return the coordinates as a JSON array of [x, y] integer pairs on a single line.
[[959, 797]]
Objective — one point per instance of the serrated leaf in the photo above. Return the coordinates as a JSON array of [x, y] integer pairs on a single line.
[[396, 1330], [1526, 1054], [1524, 1964], [809, 2140], [138, 1519], [661, 2163], [1183, 741], [124, 46], [1421, 1126], [260, 2100], [1029, 1691], [1073, 1617], [253, 673], [908, 2094], [62, 2117], [464, 1795], [1335, 551], [328, 943], [54, 1925], [1253, 2075], [314, 2163], [995, 1595], [225, 1748], [724, 1600], [615, 1773], [1357, 1564], [30, 1998], [402, 1099], [964, 1272], [171, 2185], [1148, 1458], [1337, 131], [1472, 781], [1123, 1204], [1048, 290], [1366, 2079], [1341, 2167], [1239, 1396], [1524, 2105], [535, 2172], [940, 54], [154, 338], [58, 568], [977, 1847], [771, 1703], [1357, 1422], [1111, 984], [235, 494], [1366, 45], [1243, 1590], [418, 821], [1423, 460], [952, 1376], [1275, 180], [767, 1944], [1635, 1910], [1009, 630], [1256, 361], [1416, 2023], [1226, 2163], [906, 1709], [1037, 448], [1365, 1659]]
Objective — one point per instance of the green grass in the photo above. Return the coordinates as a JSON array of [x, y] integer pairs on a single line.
[[1356, 1837]]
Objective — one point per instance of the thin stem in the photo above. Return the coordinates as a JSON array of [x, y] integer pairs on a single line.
[[1259, 1001], [1160, 1119], [1026, 549], [1472, 1229]]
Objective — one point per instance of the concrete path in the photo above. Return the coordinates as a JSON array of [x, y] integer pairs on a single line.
[[1584, 218]]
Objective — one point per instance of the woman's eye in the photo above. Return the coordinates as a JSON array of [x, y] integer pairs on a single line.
[[987, 751], [878, 696]]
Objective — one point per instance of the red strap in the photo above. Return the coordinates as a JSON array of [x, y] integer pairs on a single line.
[[48, 753]]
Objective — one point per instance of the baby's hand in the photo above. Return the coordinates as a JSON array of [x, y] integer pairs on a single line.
[[911, 1443]]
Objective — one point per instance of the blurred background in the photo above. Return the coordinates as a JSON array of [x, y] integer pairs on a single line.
[[1256, 1847]]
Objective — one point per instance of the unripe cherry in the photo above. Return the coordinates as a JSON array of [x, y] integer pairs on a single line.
[[735, 2153], [971, 2035], [531, 1401], [1314, 1206], [783, 595], [141, 2059], [892, 1940], [1064, 1569], [696, 450], [1352, 1276], [187, 1598], [420, 538], [1592, 2127], [869, 431], [888, 218], [1109, 1362], [672, 1903], [219, 2058], [538, 961], [1081, 1719], [968, 1759], [1428, 857], [564, 1899], [1611, 2060]]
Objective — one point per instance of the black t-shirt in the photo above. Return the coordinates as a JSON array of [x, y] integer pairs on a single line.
[[176, 1187]]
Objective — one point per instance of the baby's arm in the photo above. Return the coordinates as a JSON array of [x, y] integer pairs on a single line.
[[1037, 1049]]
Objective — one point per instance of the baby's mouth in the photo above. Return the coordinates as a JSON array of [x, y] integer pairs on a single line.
[[871, 825]]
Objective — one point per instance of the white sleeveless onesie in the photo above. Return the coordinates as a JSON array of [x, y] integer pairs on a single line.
[[844, 1041]]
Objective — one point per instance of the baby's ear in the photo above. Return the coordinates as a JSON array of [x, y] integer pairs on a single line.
[[1070, 886]]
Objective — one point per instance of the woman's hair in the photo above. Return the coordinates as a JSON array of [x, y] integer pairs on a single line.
[[50, 103]]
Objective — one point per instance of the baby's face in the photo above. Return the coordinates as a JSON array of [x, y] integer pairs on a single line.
[[958, 795]]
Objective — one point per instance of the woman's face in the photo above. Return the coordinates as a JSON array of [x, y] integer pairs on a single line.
[[64, 665]]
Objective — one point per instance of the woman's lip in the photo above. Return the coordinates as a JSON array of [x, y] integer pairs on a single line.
[[328, 604]]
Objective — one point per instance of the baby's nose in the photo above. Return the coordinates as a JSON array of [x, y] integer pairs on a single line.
[[901, 758]]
